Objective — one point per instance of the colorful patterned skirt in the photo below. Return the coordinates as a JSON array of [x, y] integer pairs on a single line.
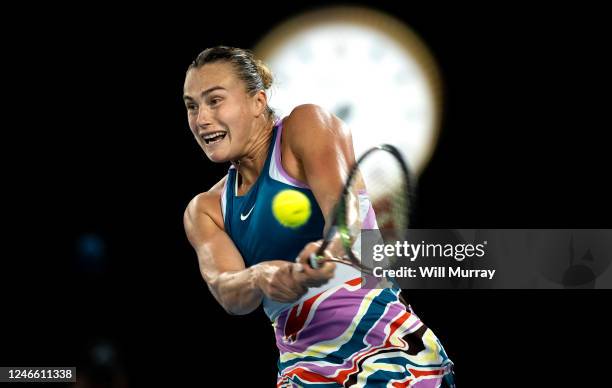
[[349, 336]]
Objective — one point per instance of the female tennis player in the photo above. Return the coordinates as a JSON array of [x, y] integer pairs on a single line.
[[330, 331]]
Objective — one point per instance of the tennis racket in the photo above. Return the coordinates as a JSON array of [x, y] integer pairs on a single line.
[[378, 194]]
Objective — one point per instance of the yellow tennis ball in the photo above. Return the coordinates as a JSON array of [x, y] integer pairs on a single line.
[[291, 208]]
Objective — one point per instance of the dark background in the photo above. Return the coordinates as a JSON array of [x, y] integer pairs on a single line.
[[97, 151]]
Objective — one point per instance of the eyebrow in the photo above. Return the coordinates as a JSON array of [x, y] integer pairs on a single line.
[[205, 93]]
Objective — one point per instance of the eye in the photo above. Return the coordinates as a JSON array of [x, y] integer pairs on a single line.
[[215, 101], [191, 107]]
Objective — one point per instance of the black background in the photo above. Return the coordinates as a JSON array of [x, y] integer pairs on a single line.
[[96, 141]]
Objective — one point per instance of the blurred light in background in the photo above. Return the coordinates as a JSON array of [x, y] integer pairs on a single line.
[[101, 367], [103, 354], [364, 66], [91, 252]]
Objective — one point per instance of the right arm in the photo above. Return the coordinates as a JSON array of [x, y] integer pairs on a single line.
[[238, 290]]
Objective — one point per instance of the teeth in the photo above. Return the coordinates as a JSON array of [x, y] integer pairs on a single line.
[[212, 135]]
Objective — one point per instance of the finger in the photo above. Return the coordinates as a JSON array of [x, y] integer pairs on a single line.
[[316, 278], [312, 260], [327, 270], [285, 279], [285, 293], [290, 280], [308, 250]]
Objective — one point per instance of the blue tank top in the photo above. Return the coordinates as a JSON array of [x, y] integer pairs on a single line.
[[249, 222]]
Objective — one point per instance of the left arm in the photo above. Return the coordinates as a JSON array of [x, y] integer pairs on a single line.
[[323, 148]]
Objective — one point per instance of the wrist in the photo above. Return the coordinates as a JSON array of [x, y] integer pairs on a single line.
[[255, 276]]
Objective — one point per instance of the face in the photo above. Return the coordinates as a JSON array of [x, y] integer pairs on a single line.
[[221, 114]]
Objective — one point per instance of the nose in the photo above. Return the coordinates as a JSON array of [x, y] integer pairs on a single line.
[[204, 118]]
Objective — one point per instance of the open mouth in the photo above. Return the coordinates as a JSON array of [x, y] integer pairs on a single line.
[[214, 137]]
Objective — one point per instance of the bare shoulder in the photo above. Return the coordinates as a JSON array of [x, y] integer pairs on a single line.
[[313, 117], [207, 203], [320, 126]]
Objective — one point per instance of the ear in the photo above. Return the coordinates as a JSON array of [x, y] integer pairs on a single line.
[[260, 102]]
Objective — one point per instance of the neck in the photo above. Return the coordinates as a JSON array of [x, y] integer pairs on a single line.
[[250, 165]]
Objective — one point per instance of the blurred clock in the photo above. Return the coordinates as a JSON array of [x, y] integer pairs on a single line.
[[366, 67]]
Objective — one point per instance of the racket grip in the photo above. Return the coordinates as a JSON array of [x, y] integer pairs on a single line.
[[315, 257], [313, 260]]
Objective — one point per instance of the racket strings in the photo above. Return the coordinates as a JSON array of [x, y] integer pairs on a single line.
[[385, 185], [376, 196], [381, 179]]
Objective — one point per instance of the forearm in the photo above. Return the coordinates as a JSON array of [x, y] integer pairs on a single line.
[[238, 291]]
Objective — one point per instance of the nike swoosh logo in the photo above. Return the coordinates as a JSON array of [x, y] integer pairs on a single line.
[[242, 217]]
